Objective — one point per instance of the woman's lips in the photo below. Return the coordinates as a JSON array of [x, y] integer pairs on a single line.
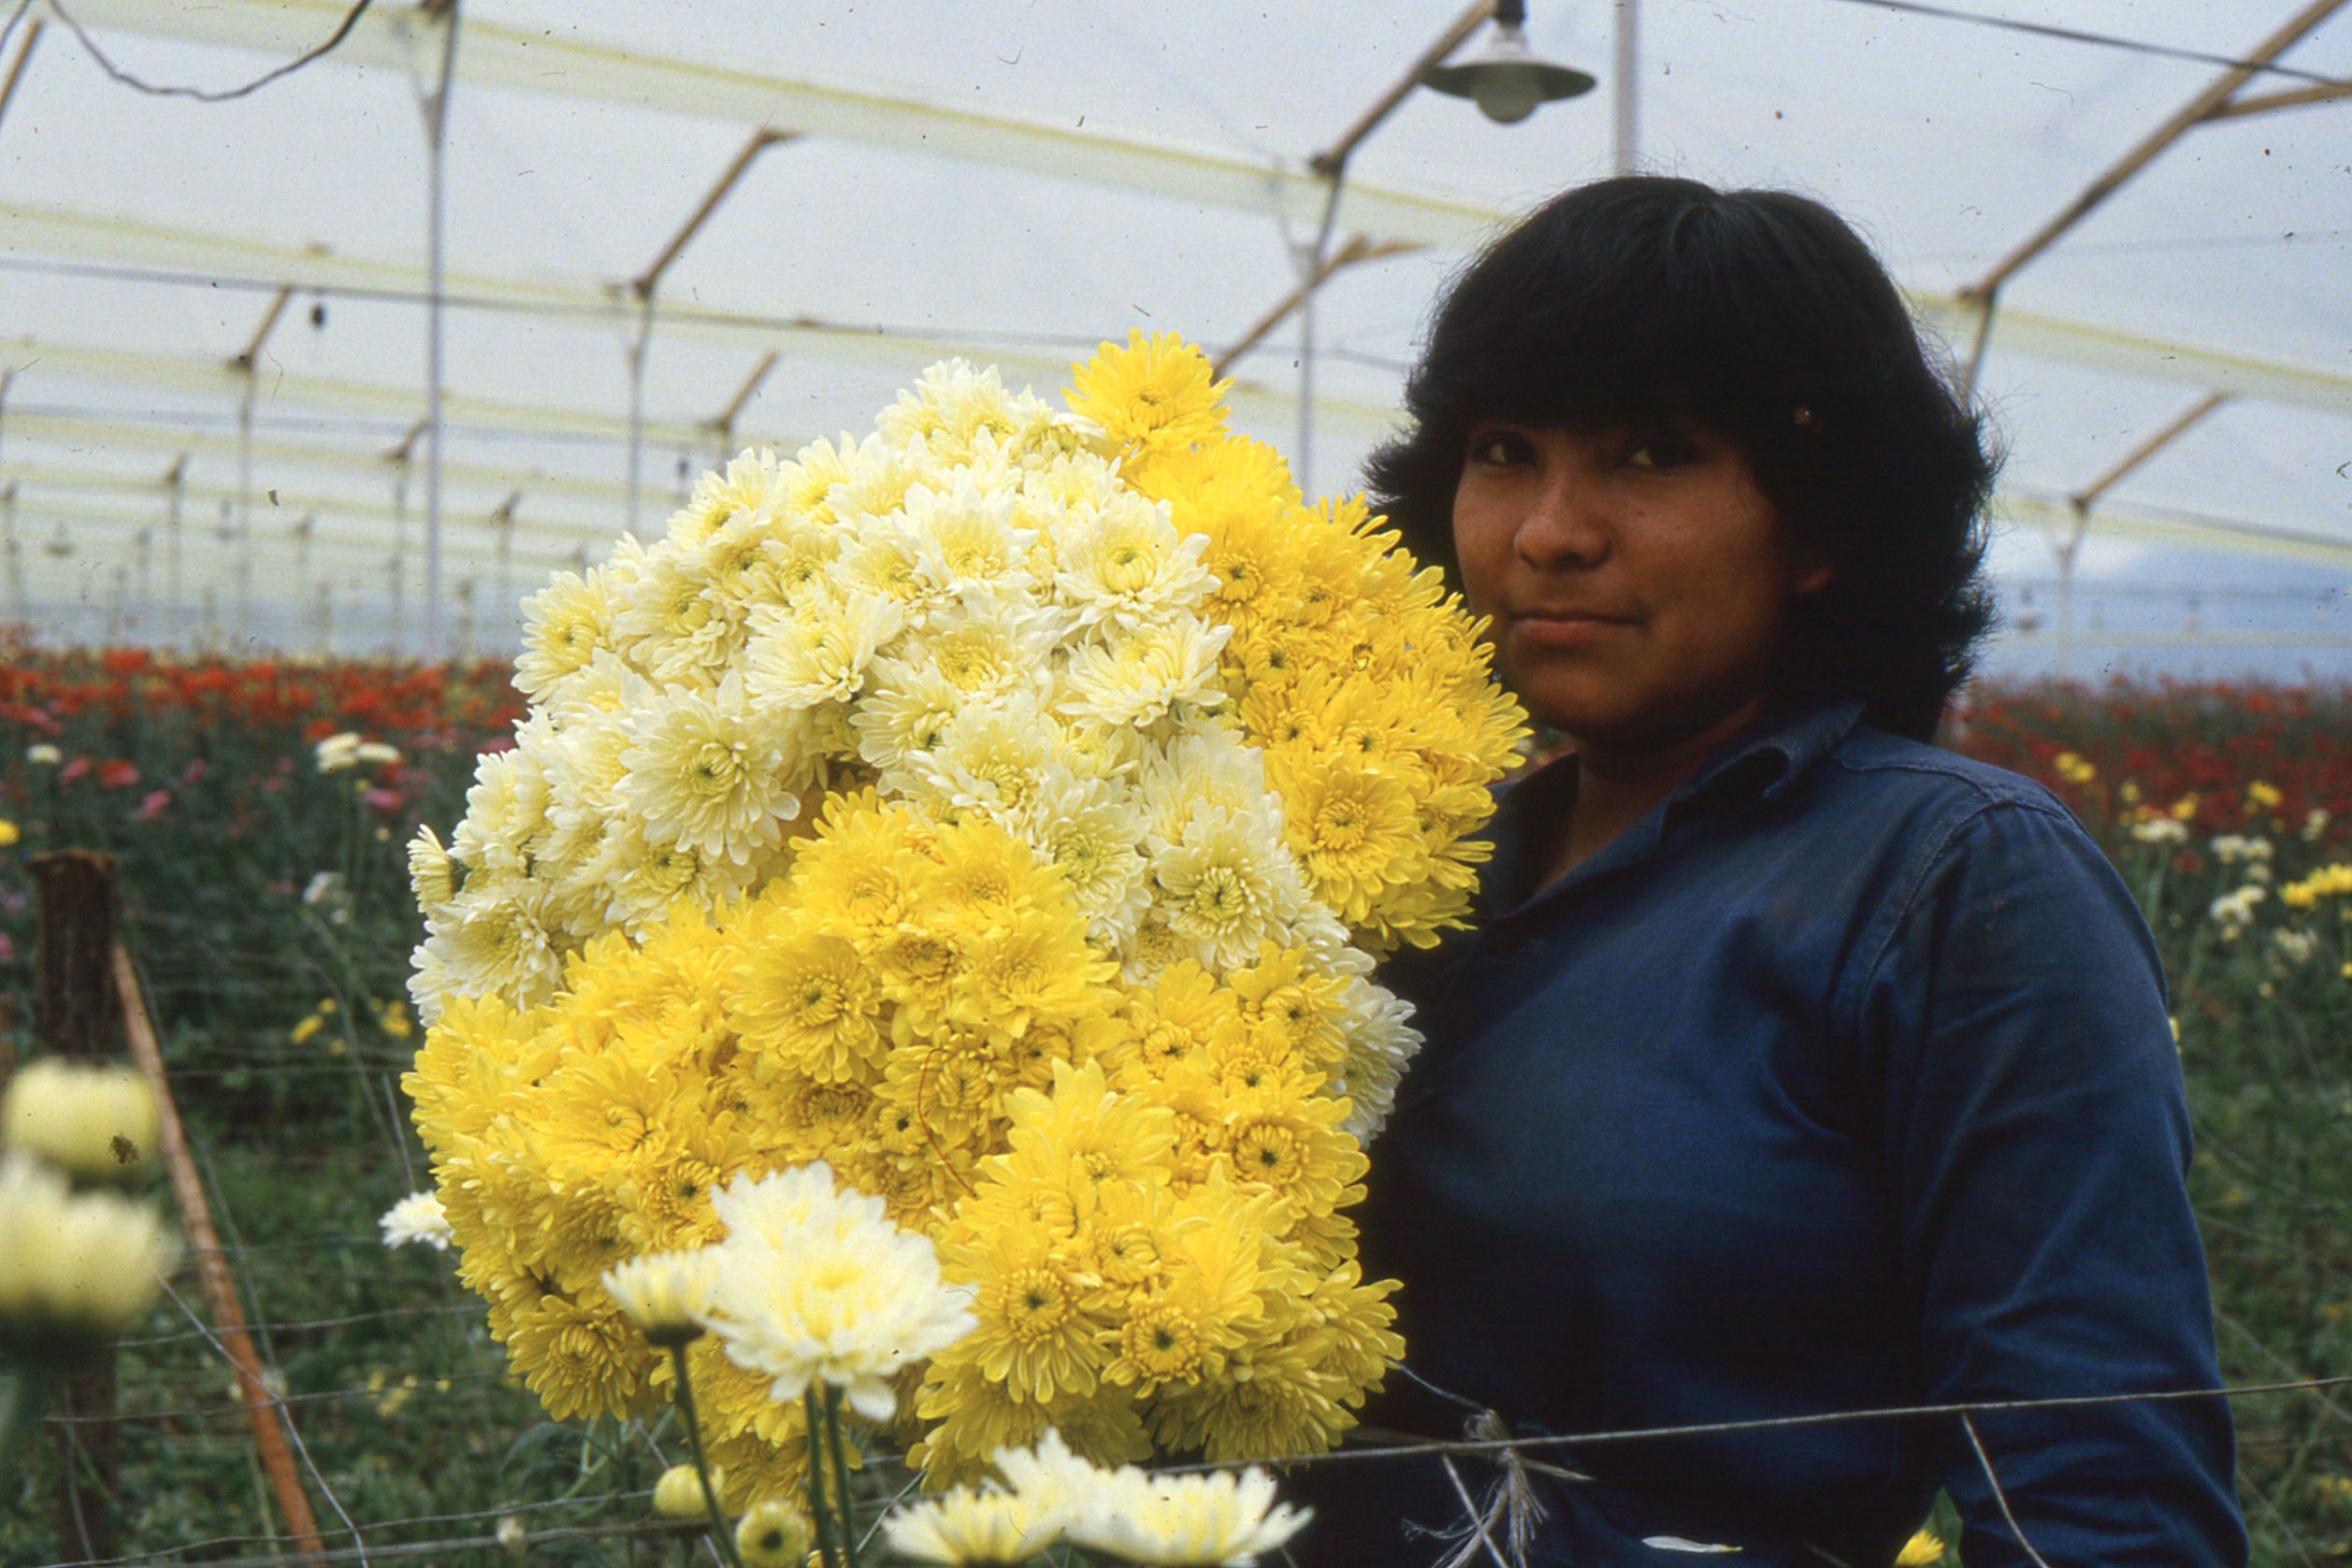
[[1566, 628]]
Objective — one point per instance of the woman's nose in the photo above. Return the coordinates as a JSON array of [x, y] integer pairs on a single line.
[[1567, 527]]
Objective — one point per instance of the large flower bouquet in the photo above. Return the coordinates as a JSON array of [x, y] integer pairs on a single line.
[[1005, 808]]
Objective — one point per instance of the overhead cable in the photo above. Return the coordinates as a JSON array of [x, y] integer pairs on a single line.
[[208, 95], [2104, 40]]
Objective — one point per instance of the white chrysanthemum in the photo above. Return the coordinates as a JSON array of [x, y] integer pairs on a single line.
[[816, 1284], [752, 482], [1093, 830], [806, 484], [641, 882], [1139, 677], [584, 775], [979, 649], [1382, 1042], [992, 757], [1216, 1519], [337, 753], [714, 773], [806, 557], [81, 1265], [1125, 566], [96, 1123], [493, 939], [416, 1220], [675, 622], [1227, 885], [743, 563], [666, 1294], [605, 685], [506, 807], [966, 544], [432, 875], [954, 405], [565, 626], [908, 712], [1204, 768], [880, 474], [974, 1528], [1050, 1475], [816, 650]]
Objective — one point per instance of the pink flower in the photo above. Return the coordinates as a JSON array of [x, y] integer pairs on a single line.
[[388, 802], [118, 775], [74, 771], [153, 806], [198, 767]]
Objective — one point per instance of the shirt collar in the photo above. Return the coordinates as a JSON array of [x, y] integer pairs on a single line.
[[1759, 763]]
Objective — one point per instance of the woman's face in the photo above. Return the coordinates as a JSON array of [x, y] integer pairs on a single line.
[[1637, 578]]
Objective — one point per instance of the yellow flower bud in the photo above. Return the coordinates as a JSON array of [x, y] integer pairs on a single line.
[[98, 1124], [678, 1495], [773, 1535], [81, 1265], [1922, 1549]]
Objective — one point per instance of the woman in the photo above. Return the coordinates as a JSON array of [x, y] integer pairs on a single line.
[[1793, 1067]]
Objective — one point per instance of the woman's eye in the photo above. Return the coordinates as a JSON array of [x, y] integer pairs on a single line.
[[1501, 447], [1660, 450]]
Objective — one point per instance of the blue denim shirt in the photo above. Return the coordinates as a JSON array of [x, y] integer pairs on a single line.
[[1842, 1081]]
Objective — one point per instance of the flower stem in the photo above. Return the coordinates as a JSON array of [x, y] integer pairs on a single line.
[[724, 1536], [20, 1397], [841, 1476], [819, 1512]]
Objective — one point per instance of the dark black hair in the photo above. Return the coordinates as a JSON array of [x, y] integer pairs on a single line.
[[1760, 315]]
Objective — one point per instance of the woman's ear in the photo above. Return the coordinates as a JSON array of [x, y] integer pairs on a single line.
[[1810, 567]]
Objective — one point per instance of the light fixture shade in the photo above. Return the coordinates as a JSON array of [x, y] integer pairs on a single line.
[[1506, 79]]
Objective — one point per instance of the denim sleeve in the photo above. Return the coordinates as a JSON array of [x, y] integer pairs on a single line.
[[2037, 1142]]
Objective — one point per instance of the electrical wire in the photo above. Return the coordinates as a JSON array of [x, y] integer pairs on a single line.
[[205, 95], [619, 313], [2080, 35]]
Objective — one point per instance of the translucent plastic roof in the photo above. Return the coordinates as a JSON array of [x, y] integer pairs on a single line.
[[1013, 182]]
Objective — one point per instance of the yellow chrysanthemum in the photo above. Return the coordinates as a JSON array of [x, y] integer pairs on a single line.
[[1157, 392]]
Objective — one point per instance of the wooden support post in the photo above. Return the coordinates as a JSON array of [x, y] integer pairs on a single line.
[[263, 1409], [74, 1015]]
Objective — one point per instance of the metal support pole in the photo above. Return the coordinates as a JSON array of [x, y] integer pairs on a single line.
[[1332, 159], [1625, 112], [19, 617], [502, 524], [1359, 248], [638, 344], [2171, 430], [725, 423], [644, 284], [436, 140], [244, 529], [175, 491], [16, 68]]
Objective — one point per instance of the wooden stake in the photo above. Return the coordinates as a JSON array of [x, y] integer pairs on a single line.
[[73, 1014], [263, 1408]]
